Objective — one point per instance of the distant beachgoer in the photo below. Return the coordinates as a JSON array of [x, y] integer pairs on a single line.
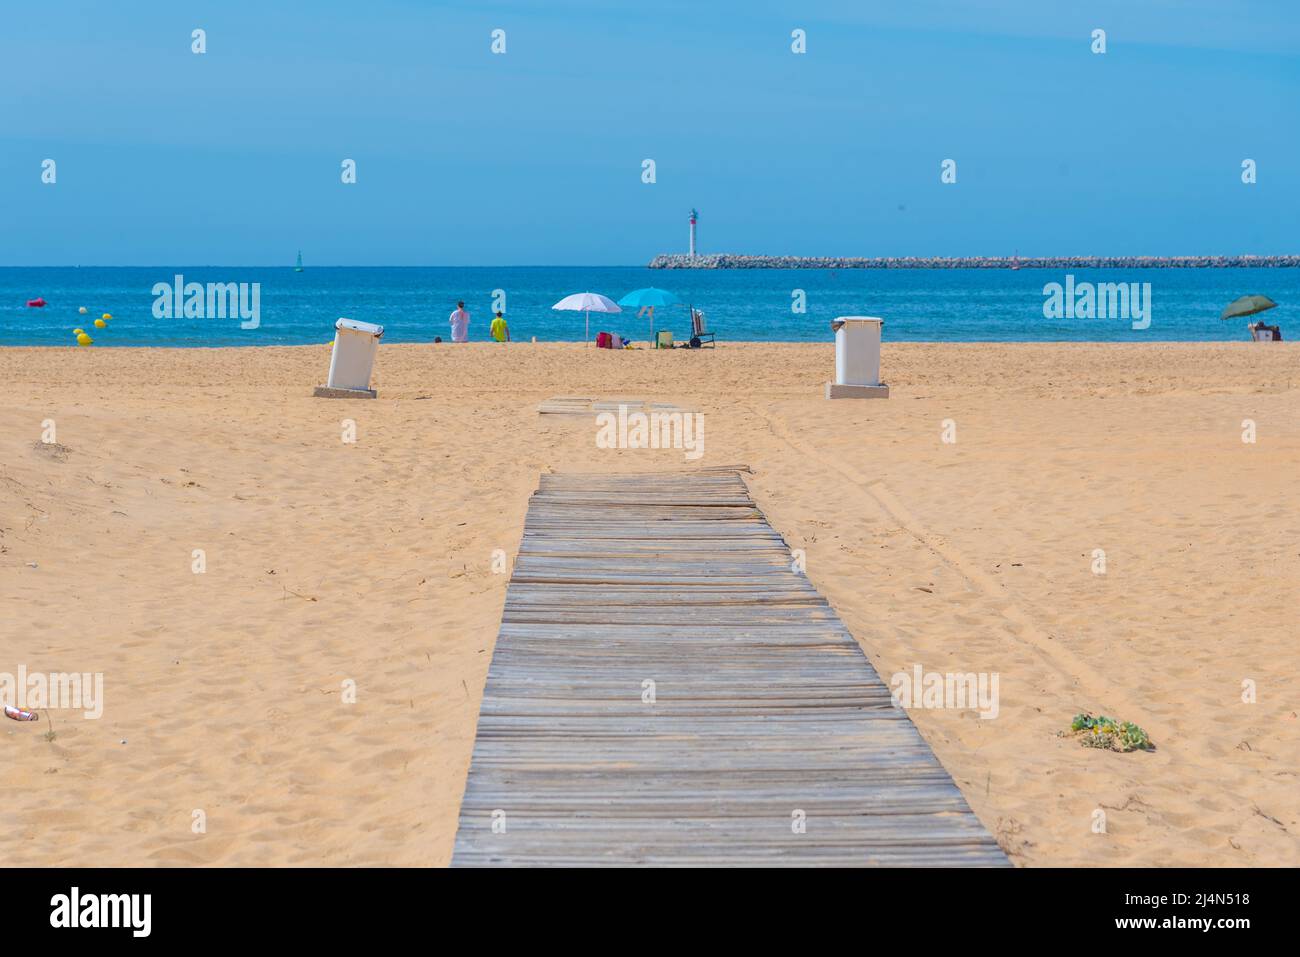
[[437, 338], [460, 324], [1275, 330], [500, 331]]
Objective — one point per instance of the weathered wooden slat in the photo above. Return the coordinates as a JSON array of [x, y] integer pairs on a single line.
[[685, 617], [586, 405], [768, 740]]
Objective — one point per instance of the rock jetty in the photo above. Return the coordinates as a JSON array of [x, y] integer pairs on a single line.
[[733, 261]]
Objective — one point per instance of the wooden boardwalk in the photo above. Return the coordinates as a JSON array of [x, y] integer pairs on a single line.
[[765, 712]]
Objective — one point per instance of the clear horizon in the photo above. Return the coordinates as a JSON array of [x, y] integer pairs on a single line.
[[465, 157], [611, 265]]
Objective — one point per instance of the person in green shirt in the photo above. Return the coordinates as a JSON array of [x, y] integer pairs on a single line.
[[500, 331]]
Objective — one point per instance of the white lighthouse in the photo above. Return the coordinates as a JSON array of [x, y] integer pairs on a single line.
[[694, 216]]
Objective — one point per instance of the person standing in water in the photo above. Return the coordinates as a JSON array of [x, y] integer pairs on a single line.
[[500, 331], [460, 324]]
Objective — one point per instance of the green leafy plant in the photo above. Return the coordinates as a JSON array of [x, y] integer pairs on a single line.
[[1107, 733]]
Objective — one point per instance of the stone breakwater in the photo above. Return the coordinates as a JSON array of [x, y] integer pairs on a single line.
[[730, 261]]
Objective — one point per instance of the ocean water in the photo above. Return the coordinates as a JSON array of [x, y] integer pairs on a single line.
[[959, 305]]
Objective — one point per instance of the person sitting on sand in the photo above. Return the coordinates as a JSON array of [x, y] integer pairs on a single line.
[[460, 324], [500, 331], [1276, 330]]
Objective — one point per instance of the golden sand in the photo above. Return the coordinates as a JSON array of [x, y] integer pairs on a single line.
[[330, 562]]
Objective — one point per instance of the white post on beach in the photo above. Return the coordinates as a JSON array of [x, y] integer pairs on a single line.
[[857, 359], [355, 345]]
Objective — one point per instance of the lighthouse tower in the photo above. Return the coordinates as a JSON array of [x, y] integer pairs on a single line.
[[694, 216]]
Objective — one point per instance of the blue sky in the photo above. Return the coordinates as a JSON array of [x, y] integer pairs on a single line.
[[534, 157]]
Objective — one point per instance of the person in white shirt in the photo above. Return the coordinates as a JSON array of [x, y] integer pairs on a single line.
[[460, 324]]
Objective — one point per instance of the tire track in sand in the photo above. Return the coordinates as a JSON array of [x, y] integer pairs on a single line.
[[1073, 670]]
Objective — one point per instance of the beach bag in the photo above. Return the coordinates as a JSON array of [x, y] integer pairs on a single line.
[[604, 340]]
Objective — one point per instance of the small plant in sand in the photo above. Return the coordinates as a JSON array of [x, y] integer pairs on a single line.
[[1104, 732], [54, 450]]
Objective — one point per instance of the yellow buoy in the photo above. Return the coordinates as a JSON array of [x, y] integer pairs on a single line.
[[107, 315], [82, 310], [100, 323], [84, 340], [77, 332]]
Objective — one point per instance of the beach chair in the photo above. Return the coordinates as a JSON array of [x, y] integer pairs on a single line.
[[1262, 333], [700, 334]]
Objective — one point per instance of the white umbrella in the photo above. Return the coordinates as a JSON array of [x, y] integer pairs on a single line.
[[587, 302]]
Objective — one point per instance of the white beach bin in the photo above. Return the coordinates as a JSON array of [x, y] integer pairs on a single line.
[[355, 345], [857, 359]]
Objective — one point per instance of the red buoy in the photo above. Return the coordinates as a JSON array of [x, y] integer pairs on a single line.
[[37, 303]]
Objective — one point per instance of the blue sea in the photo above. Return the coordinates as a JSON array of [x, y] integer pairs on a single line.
[[956, 305]]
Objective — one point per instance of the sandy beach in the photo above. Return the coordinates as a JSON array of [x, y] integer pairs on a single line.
[[329, 562]]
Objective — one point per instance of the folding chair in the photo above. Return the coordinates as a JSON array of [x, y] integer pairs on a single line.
[[700, 330]]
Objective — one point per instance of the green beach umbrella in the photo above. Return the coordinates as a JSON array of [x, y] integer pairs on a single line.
[[1247, 306]]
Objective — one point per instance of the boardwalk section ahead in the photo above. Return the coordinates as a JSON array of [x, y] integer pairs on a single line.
[[667, 690]]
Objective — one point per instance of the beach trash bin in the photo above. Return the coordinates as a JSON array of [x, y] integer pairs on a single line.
[[857, 359], [353, 360]]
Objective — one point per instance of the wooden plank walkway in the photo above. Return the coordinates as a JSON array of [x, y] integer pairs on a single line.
[[765, 707], [586, 405]]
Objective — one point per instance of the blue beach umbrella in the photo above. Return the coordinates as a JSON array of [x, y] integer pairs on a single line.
[[649, 297]]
